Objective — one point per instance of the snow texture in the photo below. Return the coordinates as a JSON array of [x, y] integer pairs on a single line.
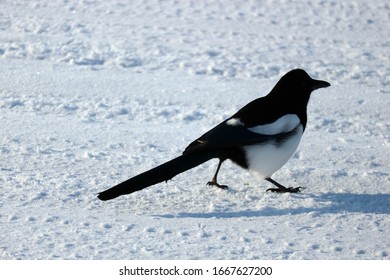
[[94, 92]]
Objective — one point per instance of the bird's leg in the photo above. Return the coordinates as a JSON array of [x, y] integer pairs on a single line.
[[213, 181], [282, 189]]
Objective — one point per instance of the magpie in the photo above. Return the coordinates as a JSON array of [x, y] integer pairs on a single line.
[[261, 137]]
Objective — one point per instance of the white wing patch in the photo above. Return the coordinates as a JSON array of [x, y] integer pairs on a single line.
[[234, 122], [281, 125]]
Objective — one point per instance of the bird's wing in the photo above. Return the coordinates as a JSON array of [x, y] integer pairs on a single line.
[[233, 133]]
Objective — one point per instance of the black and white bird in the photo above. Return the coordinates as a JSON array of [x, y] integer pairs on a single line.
[[261, 137]]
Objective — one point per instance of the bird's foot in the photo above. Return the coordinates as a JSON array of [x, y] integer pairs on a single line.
[[285, 190], [214, 183]]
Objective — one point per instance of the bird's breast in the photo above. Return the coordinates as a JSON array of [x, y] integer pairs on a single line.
[[266, 158]]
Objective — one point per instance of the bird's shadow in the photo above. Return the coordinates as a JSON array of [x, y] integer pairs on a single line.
[[333, 203]]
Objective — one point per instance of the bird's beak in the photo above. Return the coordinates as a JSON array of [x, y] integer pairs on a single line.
[[316, 84]]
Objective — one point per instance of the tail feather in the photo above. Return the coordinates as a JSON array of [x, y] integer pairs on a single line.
[[161, 173]]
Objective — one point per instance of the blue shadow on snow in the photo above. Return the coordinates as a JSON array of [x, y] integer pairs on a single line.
[[335, 203]]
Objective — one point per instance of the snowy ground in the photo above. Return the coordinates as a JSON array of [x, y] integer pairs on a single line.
[[94, 92]]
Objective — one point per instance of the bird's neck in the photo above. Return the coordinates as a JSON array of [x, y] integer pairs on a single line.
[[292, 105]]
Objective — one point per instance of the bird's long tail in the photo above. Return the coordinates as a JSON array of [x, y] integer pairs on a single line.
[[161, 173]]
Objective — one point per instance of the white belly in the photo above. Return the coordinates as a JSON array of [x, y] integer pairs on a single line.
[[265, 159]]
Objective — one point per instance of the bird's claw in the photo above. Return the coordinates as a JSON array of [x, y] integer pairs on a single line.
[[212, 183], [285, 190]]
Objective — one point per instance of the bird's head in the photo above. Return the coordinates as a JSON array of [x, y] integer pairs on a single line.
[[297, 83]]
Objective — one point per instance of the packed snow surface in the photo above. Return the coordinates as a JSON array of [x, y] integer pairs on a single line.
[[94, 92]]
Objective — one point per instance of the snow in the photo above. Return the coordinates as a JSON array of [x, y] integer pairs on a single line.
[[94, 92]]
